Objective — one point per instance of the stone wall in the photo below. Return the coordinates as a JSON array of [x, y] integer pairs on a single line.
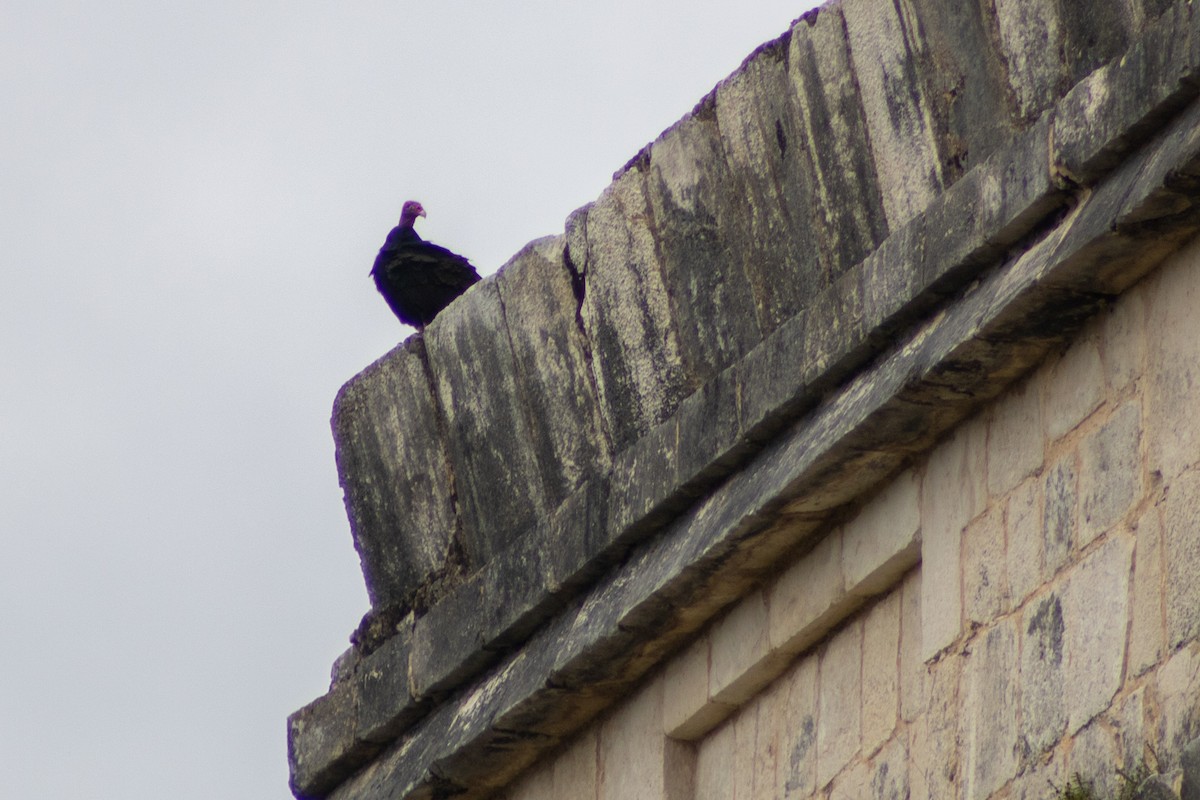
[[746, 355], [1022, 605]]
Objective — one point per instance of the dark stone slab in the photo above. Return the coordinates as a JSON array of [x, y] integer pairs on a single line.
[[322, 745], [888, 51], [1120, 105], [386, 707], [553, 366], [772, 218], [846, 210], [394, 469], [501, 490], [640, 374], [690, 192]]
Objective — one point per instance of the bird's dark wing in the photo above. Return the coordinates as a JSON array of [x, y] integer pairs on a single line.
[[418, 279]]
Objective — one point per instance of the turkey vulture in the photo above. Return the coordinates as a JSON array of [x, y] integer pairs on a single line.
[[416, 278]]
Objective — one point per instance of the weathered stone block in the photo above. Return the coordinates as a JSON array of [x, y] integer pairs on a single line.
[[1177, 686], [991, 712], [839, 721], [386, 707], [1060, 495], [1173, 369], [880, 676], [985, 579], [715, 764], [1023, 523], [1110, 472], [632, 748], [690, 191], [322, 746], [887, 52], [1043, 714], [884, 541], [850, 219], [553, 366], [394, 469], [1181, 539], [1015, 444], [912, 665], [1125, 339], [1095, 616], [688, 710], [500, 485], [775, 232], [889, 768], [626, 312], [965, 81], [1074, 388], [1119, 105], [934, 741], [952, 493], [809, 598], [797, 752], [740, 646], [1050, 44]]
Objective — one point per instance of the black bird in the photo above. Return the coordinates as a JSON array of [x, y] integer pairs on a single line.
[[418, 279]]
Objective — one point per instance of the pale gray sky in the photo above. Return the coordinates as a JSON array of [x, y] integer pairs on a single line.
[[191, 195]]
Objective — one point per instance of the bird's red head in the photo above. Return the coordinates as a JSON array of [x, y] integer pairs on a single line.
[[409, 213]]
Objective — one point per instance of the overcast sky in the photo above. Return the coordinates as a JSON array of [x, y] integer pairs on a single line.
[[191, 195]]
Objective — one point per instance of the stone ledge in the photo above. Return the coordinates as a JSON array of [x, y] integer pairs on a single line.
[[645, 608]]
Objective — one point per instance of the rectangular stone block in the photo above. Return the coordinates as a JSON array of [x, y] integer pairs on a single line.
[[386, 707], [714, 764], [743, 660], [1023, 526], [985, 579], [797, 743], [887, 52], [839, 720], [632, 748], [322, 746], [1016, 447], [1173, 364], [1122, 103], [884, 540], [691, 192], [553, 365], [880, 671], [1095, 618], [912, 665], [809, 598], [501, 489], [1181, 540], [688, 713], [1074, 388], [640, 373], [990, 728], [394, 469], [952, 493], [1110, 472], [1146, 636], [1043, 671], [965, 80]]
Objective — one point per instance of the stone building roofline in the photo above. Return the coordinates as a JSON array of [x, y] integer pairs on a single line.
[[873, 226]]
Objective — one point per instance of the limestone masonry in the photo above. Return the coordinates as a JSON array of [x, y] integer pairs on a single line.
[[847, 446]]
